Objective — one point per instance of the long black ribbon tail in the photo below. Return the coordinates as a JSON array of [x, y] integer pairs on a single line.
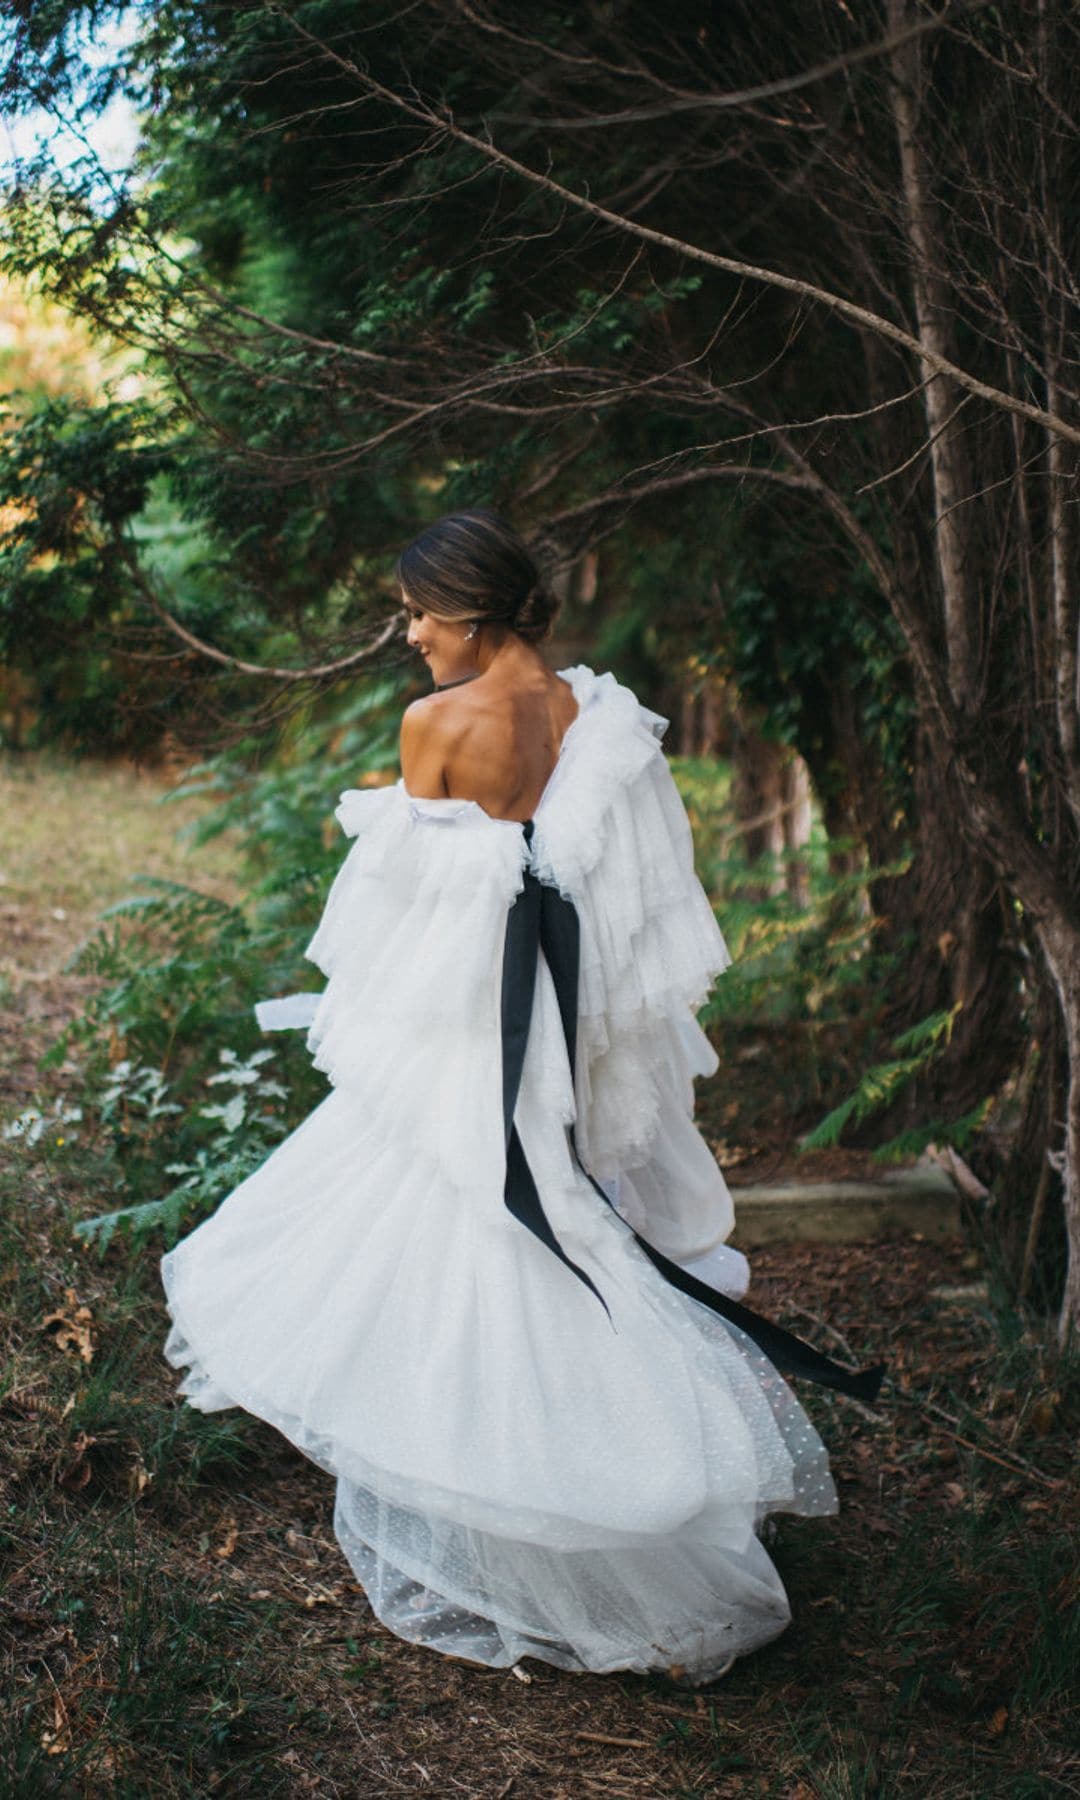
[[789, 1353], [542, 918], [518, 985]]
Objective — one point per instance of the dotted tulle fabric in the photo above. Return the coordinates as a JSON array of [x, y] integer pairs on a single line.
[[519, 1471]]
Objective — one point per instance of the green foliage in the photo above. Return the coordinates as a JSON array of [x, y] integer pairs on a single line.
[[313, 299], [31, 1125], [798, 1014], [82, 484], [882, 1084], [307, 307], [247, 1124], [71, 475], [961, 1133], [179, 972], [791, 962]]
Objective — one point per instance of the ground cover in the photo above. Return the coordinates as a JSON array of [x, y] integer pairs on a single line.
[[176, 1619]]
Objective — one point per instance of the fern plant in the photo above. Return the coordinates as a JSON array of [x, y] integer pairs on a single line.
[[882, 1084]]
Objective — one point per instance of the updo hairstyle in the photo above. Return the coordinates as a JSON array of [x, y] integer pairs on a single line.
[[473, 565]]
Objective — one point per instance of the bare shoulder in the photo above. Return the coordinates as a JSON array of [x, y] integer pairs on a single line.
[[434, 717], [419, 717], [429, 730]]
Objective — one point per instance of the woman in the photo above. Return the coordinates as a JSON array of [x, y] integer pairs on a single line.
[[485, 1283]]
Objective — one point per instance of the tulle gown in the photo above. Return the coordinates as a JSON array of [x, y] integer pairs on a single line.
[[541, 1448]]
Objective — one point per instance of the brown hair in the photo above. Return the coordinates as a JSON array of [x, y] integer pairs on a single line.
[[473, 565]]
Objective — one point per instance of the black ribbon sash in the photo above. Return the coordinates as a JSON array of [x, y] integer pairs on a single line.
[[543, 919]]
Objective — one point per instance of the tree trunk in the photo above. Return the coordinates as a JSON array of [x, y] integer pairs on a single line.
[[758, 796], [1060, 460], [1025, 1218], [948, 922], [941, 398], [797, 820], [688, 732], [771, 794], [1061, 947], [954, 892]]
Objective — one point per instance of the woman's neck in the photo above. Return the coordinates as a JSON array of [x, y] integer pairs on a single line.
[[503, 655]]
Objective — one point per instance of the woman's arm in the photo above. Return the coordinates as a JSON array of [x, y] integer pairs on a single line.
[[423, 751]]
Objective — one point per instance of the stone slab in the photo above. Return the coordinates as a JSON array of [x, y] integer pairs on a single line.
[[898, 1203]]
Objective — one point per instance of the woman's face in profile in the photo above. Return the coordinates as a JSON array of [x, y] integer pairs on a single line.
[[441, 642]]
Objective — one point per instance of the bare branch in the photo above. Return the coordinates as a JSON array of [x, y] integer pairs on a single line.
[[744, 97], [933, 362], [321, 671]]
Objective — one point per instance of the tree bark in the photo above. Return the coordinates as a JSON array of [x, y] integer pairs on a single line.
[[1025, 1217], [1061, 947], [758, 795], [797, 820], [941, 398], [945, 918]]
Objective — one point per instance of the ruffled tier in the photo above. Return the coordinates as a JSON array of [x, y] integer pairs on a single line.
[[409, 940], [680, 1606], [335, 1274], [503, 1449], [613, 835]]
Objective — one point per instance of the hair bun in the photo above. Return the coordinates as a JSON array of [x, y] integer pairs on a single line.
[[473, 565], [535, 614]]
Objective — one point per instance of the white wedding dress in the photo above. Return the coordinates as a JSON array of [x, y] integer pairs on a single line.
[[537, 1454]]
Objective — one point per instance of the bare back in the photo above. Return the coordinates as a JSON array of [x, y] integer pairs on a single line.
[[494, 740]]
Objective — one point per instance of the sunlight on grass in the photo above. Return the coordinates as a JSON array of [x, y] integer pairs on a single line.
[[78, 833]]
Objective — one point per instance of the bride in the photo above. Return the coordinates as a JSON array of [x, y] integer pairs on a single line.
[[485, 1284]]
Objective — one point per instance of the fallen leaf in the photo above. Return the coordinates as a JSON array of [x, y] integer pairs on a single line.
[[229, 1541], [57, 1742], [139, 1478], [72, 1329]]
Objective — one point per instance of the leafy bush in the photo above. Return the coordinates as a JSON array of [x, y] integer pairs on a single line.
[[247, 1125]]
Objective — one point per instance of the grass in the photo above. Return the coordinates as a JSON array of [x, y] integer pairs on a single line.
[[176, 1618], [80, 831]]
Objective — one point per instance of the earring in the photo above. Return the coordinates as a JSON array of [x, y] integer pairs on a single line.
[[471, 633]]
